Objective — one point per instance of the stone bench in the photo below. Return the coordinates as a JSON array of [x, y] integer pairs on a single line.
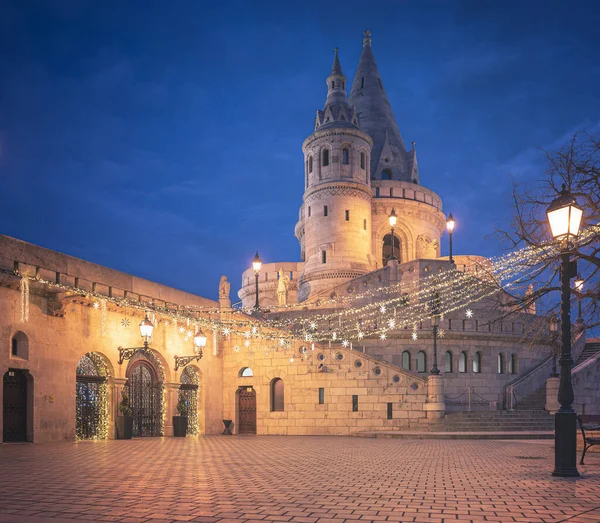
[[592, 425]]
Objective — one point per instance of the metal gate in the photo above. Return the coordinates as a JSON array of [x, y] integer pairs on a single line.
[[144, 394], [90, 400], [14, 406], [247, 410], [188, 391]]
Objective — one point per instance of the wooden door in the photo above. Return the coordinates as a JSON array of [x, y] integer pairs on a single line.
[[247, 410], [14, 406]]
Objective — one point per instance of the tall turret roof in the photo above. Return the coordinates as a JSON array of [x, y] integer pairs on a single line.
[[375, 116]]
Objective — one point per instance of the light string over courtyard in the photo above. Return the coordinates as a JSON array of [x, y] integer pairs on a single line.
[[375, 312]]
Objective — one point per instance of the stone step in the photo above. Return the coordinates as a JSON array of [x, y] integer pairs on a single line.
[[457, 435]]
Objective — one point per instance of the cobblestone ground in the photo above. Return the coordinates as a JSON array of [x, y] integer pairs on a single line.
[[295, 479]]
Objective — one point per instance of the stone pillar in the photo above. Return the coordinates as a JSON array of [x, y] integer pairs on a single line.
[[552, 404], [435, 406], [171, 399], [114, 387]]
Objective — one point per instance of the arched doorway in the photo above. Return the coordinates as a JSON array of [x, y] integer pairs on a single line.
[[91, 398], [189, 391], [246, 399], [15, 406], [386, 252], [145, 396]]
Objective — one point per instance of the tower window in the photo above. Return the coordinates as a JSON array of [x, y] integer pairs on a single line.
[[325, 210], [321, 395], [362, 160], [347, 215], [376, 192], [355, 403], [309, 211], [345, 157], [332, 85], [325, 157], [365, 224], [389, 411], [386, 174], [310, 164], [323, 256], [387, 248], [362, 82], [391, 192]]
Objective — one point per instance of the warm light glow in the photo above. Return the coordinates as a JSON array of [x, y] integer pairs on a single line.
[[393, 218], [553, 323], [579, 283], [200, 339], [564, 215], [256, 263], [146, 328], [450, 223]]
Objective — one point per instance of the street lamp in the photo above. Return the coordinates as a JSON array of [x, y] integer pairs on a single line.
[[564, 217], [435, 311], [199, 344], [199, 340], [146, 328], [256, 265], [450, 223], [579, 288], [554, 330], [392, 219]]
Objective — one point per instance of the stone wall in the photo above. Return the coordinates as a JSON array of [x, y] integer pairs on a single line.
[[375, 383]]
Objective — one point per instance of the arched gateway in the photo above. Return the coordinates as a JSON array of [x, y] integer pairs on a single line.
[[145, 390], [91, 398]]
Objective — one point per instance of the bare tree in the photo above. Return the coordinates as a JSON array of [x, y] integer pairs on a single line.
[[576, 166]]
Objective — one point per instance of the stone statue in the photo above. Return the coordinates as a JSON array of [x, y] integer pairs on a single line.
[[426, 247], [282, 288], [224, 288]]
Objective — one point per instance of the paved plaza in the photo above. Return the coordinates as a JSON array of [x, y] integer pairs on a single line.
[[293, 479]]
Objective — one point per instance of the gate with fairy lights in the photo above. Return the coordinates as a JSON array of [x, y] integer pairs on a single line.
[[144, 392], [90, 399]]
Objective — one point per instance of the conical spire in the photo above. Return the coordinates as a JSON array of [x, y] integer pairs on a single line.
[[336, 68], [376, 117]]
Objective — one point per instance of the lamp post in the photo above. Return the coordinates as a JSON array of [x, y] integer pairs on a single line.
[[256, 265], [146, 328], [554, 330], [564, 216], [199, 344], [579, 288], [392, 218], [435, 310], [450, 223]]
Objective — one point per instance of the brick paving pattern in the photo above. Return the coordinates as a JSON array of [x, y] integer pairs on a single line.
[[293, 479]]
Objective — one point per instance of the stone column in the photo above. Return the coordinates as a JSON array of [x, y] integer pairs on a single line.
[[171, 398], [552, 404], [435, 406], [114, 388]]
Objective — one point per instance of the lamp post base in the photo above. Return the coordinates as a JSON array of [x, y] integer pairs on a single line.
[[565, 445]]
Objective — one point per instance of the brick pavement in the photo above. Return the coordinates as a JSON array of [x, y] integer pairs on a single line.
[[293, 479]]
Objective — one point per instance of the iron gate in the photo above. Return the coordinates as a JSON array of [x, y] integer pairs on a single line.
[[145, 396], [90, 400], [14, 406]]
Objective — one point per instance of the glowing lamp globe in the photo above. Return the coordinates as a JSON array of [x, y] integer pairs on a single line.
[[256, 263], [579, 283], [553, 323], [564, 216], [393, 218], [146, 328], [450, 223], [200, 339]]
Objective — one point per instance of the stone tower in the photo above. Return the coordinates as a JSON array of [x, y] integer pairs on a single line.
[[334, 228]]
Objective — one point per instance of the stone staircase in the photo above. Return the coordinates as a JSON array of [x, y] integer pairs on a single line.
[[536, 401], [591, 349], [496, 421]]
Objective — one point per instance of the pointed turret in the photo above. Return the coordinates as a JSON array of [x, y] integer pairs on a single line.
[[375, 116], [337, 110]]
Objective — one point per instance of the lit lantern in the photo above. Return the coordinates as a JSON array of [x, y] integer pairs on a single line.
[[199, 340], [564, 216], [256, 263], [146, 328]]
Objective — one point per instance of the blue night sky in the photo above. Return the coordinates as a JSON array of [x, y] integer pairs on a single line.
[[164, 138]]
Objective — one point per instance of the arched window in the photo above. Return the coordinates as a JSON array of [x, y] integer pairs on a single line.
[[406, 360], [246, 372], [462, 362], [448, 361], [386, 174], [500, 363], [345, 156], [477, 362], [310, 167], [362, 160], [421, 361], [512, 364], [19, 345], [325, 157], [387, 248], [277, 395]]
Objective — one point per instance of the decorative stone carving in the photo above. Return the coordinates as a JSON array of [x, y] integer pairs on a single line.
[[224, 289], [426, 247], [282, 288]]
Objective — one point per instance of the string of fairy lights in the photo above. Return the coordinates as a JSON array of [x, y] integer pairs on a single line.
[[341, 319]]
